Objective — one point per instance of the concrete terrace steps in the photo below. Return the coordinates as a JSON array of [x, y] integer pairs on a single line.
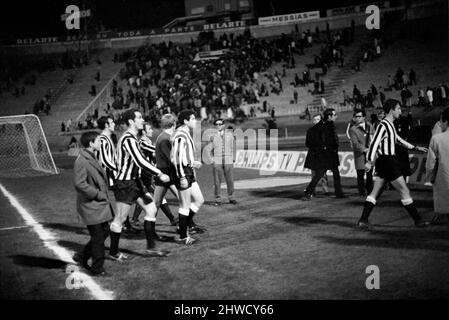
[[10, 105], [76, 97]]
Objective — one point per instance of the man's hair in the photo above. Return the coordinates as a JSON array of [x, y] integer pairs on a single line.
[[390, 104], [102, 122], [167, 121], [184, 115], [219, 119], [129, 115], [357, 110], [445, 115], [327, 113], [88, 137]]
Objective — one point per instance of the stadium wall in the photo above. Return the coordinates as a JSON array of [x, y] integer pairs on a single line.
[[415, 11]]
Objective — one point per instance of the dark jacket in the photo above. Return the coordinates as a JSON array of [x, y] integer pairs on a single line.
[[315, 145], [329, 155], [93, 202], [322, 142]]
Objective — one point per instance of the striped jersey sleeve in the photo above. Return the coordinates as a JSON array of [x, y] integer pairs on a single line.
[[132, 147], [106, 154]]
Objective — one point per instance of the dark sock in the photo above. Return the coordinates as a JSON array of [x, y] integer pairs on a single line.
[[183, 221], [150, 232], [126, 223], [166, 210], [137, 212], [115, 238], [190, 221], [367, 208], [411, 209]]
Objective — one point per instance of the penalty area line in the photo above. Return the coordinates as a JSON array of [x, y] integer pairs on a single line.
[[49, 241]]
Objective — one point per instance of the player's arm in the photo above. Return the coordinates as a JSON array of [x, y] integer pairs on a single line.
[[105, 158], [133, 148], [179, 145], [147, 146], [379, 135], [410, 146]]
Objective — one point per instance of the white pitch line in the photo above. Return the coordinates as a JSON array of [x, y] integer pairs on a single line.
[[50, 242], [13, 228]]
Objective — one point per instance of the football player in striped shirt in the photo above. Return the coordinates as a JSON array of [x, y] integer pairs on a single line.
[[182, 157], [146, 180], [129, 161], [382, 151], [106, 154]]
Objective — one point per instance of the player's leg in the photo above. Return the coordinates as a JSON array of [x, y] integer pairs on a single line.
[[184, 209], [370, 202], [116, 229], [196, 203], [150, 226], [407, 201]]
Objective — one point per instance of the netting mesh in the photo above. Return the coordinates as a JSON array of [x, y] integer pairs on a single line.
[[24, 150]]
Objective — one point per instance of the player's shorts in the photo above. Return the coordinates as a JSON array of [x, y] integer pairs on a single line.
[[126, 191], [170, 171], [190, 176], [388, 168]]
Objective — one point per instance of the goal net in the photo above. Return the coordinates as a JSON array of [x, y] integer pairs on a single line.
[[24, 149]]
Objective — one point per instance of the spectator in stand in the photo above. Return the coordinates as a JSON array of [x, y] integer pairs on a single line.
[[295, 96], [421, 98], [412, 77], [429, 94], [62, 127]]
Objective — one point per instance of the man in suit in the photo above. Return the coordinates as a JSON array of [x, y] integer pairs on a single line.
[[360, 134], [313, 143], [93, 202], [326, 154]]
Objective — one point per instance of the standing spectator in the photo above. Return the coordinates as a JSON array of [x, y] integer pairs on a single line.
[[429, 94], [93, 203], [313, 142], [327, 155], [223, 153], [412, 77], [62, 127], [360, 134], [437, 167], [295, 96]]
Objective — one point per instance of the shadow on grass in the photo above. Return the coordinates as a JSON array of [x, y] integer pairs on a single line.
[[40, 262], [419, 203], [66, 227], [78, 247], [391, 243], [310, 221]]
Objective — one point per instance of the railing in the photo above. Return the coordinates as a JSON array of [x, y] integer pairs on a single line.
[[103, 97]]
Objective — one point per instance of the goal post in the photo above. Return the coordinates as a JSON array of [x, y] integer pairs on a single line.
[[24, 149]]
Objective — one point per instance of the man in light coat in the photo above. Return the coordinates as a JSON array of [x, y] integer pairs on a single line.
[[223, 161], [360, 134], [93, 203], [437, 167]]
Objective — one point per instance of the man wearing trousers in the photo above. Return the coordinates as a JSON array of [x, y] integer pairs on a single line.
[[360, 135], [327, 154], [223, 161]]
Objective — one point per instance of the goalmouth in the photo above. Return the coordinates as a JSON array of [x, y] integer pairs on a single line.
[[24, 150]]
